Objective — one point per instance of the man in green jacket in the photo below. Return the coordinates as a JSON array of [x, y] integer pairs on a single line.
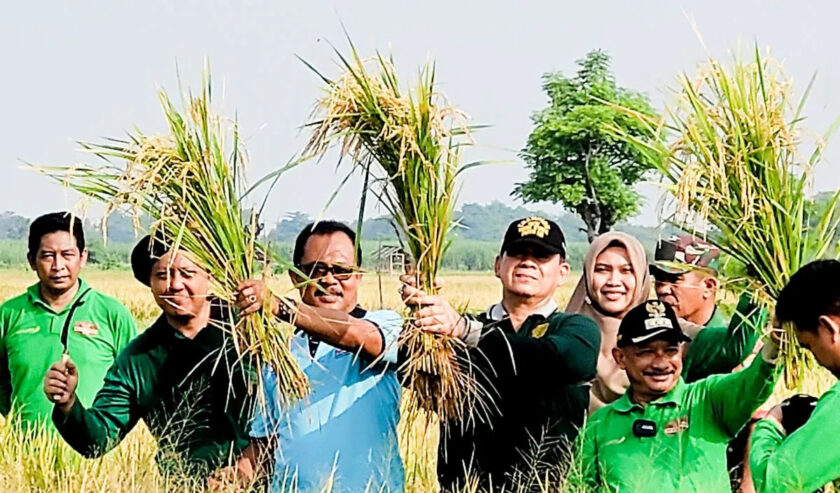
[[685, 276], [59, 314], [182, 376], [665, 435], [782, 457], [535, 362]]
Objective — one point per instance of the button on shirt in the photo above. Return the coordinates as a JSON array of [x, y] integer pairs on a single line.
[[693, 425], [347, 426], [30, 342]]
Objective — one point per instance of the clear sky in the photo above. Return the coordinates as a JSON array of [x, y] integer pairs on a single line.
[[85, 70]]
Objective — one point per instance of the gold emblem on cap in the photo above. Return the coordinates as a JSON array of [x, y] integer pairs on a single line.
[[533, 226], [655, 308]]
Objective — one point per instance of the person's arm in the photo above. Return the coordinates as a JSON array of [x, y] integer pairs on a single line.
[[5, 381], [96, 430], [566, 354], [334, 327], [717, 350], [5, 375], [339, 329], [804, 461], [733, 398]]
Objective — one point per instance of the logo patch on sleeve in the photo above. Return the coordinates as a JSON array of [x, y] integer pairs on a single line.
[[86, 328], [539, 330]]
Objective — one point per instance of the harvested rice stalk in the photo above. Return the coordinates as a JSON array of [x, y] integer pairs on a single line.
[[412, 141], [733, 161], [193, 191]]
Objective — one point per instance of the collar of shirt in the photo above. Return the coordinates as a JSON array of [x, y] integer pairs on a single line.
[[497, 312], [34, 293], [717, 319], [673, 398]]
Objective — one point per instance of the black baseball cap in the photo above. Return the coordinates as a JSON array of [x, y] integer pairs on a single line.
[[144, 255], [651, 320], [537, 231]]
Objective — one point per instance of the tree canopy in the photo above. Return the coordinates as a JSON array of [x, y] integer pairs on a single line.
[[574, 157]]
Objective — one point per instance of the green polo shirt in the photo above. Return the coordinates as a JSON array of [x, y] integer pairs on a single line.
[[195, 395], [806, 460], [694, 424], [30, 342], [723, 345], [537, 382]]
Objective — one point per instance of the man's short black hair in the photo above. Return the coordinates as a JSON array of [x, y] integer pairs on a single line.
[[50, 223], [324, 228], [813, 291]]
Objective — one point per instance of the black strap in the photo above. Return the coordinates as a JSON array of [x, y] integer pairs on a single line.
[[69, 319]]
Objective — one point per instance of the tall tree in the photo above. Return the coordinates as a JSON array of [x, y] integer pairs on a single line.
[[573, 156]]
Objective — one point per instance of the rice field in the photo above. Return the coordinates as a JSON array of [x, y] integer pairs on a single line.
[[44, 463]]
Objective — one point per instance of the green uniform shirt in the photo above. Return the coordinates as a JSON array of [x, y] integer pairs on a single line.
[[194, 395], [30, 342], [694, 424], [721, 346], [538, 380], [806, 460]]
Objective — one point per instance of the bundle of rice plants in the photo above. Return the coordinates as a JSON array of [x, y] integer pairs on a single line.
[[729, 152], [192, 185], [410, 142]]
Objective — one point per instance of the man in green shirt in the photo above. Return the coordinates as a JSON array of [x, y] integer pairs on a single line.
[[685, 277], [534, 361], [783, 458], [60, 313], [182, 376], [664, 435]]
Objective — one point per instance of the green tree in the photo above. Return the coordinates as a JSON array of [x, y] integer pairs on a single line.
[[573, 156]]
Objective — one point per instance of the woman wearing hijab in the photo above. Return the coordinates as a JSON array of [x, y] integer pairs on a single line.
[[615, 279]]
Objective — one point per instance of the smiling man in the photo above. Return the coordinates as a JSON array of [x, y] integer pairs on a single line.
[[60, 313], [664, 435], [182, 376], [535, 361], [343, 435]]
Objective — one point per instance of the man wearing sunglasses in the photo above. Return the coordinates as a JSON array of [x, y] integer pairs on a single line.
[[345, 431], [535, 362]]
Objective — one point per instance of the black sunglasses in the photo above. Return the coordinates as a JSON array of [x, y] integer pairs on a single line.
[[318, 270]]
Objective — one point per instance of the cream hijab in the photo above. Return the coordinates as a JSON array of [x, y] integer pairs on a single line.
[[610, 381]]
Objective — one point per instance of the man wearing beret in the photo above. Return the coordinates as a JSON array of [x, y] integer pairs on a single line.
[[665, 435], [685, 271], [181, 376]]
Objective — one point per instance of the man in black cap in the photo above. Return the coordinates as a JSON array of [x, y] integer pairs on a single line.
[[535, 361], [664, 435], [182, 376]]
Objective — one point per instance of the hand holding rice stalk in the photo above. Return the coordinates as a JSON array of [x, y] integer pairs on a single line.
[[734, 162], [414, 139], [193, 191]]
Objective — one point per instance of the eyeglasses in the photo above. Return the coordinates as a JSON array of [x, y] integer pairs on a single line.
[[318, 270]]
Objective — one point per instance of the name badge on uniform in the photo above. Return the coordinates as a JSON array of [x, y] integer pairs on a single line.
[[86, 328], [676, 426], [539, 330]]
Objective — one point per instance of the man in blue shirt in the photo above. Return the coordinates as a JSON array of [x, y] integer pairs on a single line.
[[345, 431]]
